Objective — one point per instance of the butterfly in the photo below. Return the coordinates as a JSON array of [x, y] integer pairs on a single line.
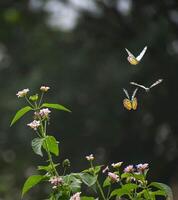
[[135, 60], [147, 89], [130, 103]]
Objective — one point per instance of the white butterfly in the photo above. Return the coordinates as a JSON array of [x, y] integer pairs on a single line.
[[135, 60], [147, 88]]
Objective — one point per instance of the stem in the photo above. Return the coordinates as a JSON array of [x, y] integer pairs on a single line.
[[29, 101], [48, 152], [109, 190], [42, 94], [97, 183]]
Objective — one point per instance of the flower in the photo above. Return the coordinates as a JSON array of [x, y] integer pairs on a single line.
[[56, 181], [44, 88], [113, 177], [129, 169], [76, 196], [116, 165], [105, 169], [142, 167], [22, 93], [90, 157], [44, 112], [34, 125]]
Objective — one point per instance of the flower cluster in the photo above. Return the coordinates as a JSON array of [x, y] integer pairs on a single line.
[[22, 93], [34, 124], [56, 181], [90, 157], [140, 168], [76, 196]]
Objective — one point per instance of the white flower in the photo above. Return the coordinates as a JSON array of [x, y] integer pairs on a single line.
[[55, 181], [22, 93], [34, 125], [44, 88], [116, 165], [76, 196], [90, 157], [129, 169], [114, 177], [44, 112]]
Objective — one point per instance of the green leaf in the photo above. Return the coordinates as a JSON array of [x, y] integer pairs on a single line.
[[107, 182], [20, 114], [164, 188], [55, 106], [48, 167], [119, 192], [31, 182], [92, 170], [126, 189], [88, 179], [37, 145], [87, 198], [51, 144]]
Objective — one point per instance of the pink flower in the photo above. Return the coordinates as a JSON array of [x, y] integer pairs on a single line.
[[34, 125], [116, 165], [44, 112], [22, 93], [129, 169], [90, 157], [142, 167], [55, 181], [44, 88], [113, 177], [76, 196]]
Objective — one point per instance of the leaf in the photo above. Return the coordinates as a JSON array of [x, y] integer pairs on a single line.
[[87, 198], [20, 113], [119, 192], [48, 167], [88, 179], [126, 189], [92, 170], [31, 182], [55, 106], [164, 188], [50, 144], [37, 145], [107, 182]]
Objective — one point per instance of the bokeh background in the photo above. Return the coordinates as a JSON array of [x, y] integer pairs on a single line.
[[77, 48]]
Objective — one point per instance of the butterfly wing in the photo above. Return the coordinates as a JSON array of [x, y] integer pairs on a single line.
[[127, 104], [156, 83], [126, 93], [140, 56], [131, 58], [134, 93], [138, 85], [129, 53], [134, 103]]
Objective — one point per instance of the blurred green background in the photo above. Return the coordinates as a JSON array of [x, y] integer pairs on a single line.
[[77, 48]]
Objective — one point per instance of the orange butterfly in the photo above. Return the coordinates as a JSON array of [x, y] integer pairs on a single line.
[[130, 103]]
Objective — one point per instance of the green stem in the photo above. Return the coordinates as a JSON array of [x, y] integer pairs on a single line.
[[41, 98], [109, 190], [97, 183], [29, 101]]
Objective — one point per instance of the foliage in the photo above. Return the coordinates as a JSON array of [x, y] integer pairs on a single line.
[[130, 183]]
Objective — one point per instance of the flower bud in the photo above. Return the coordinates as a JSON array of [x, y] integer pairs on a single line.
[[34, 125], [116, 165], [66, 163], [56, 181], [129, 169]]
